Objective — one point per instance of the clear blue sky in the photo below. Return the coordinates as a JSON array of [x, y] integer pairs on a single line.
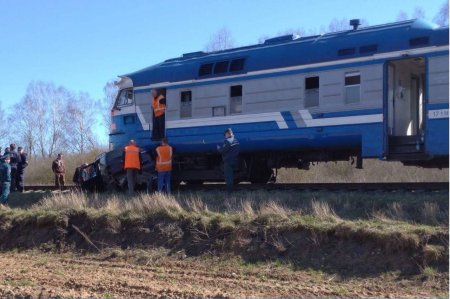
[[82, 44]]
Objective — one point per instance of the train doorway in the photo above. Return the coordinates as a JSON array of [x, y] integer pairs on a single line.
[[405, 108], [159, 106]]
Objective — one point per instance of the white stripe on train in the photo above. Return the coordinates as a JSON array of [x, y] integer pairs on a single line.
[[275, 117], [306, 117]]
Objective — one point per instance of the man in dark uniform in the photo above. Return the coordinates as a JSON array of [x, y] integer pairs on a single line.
[[14, 162], [230, 154], [5, 179], [20, 176]]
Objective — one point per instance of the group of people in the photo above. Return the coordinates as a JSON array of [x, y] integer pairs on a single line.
[[12, 171], [164, 152], [13, 162], [132, 162]]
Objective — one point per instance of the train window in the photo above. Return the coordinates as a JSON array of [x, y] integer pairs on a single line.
[[235, 99], [352, 87], [125, 98], [419, 41], [186, 104], [219, 111], [237, 65], [346, 52], [311, 91], [128, 119], [368, 49], [205, 69], [221, 67]]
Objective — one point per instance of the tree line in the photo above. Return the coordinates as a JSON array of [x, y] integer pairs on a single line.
[[50, 119], [223, 38]]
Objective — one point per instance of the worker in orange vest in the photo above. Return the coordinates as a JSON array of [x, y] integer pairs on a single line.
[[164, 154], [159, 115], [132, 164]]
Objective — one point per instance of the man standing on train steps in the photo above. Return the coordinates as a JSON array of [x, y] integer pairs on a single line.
[[159, 115], [131, 164], [230, 154], [60, 171], [164, 154]]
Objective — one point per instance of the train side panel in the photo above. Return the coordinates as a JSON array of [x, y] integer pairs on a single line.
[[437, 132], [274, 116]]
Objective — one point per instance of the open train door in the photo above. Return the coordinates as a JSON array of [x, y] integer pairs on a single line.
[[404, 109], [158, 129]]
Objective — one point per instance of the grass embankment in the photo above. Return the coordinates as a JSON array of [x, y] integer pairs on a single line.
[[358, 234]]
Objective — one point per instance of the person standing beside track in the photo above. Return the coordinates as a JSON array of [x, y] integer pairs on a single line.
[[60, 171], [164, 154], [230, 154], [5, 179], [20, 177], [14, 163], [131, 164]]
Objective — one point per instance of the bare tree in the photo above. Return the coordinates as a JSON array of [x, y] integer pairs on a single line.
[[338, 25], [419, 13], [82, 111], [3, 127], [57, 121], [46, 103], [24, 129], [402, 16], [441, 18], [110, 91], [221, 40]]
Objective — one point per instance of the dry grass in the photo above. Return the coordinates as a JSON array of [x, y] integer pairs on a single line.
[[374, 171], [253, 205], [322, 210], [430, 213], [142, 204], [39, 170], [272, 208]]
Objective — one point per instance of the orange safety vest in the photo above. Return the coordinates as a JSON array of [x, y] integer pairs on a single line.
[[164, 158], [158, 107], [132, 160]]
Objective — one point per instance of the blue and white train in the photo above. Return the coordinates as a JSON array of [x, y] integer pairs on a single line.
[[374, 92]]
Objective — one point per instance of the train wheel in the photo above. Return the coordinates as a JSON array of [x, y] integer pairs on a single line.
[[260, 173]]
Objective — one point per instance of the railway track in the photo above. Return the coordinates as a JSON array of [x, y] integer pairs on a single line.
[[348, 187]]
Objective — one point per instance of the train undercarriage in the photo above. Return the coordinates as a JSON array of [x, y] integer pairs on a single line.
[[107, 173]]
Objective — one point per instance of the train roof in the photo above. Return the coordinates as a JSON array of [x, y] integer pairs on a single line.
[[291, 50]]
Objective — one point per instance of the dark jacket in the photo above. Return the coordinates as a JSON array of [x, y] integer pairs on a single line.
[[15, 159], [230, 151], [5, 172], [23, 162], [58, 166]]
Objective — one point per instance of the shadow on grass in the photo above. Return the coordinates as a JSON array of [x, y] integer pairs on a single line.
[[26, 199]]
